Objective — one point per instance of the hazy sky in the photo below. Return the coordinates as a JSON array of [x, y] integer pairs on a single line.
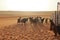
[[29, 5]]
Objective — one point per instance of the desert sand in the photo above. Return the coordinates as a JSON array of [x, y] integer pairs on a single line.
[[10, 30]]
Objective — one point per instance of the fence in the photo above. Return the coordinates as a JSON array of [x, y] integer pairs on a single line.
[[56, 15]]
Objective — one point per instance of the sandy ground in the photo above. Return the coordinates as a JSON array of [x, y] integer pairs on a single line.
[[7, 21], [13, 31]]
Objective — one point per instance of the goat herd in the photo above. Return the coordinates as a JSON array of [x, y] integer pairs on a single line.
[[36, 20], [32, 20]]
